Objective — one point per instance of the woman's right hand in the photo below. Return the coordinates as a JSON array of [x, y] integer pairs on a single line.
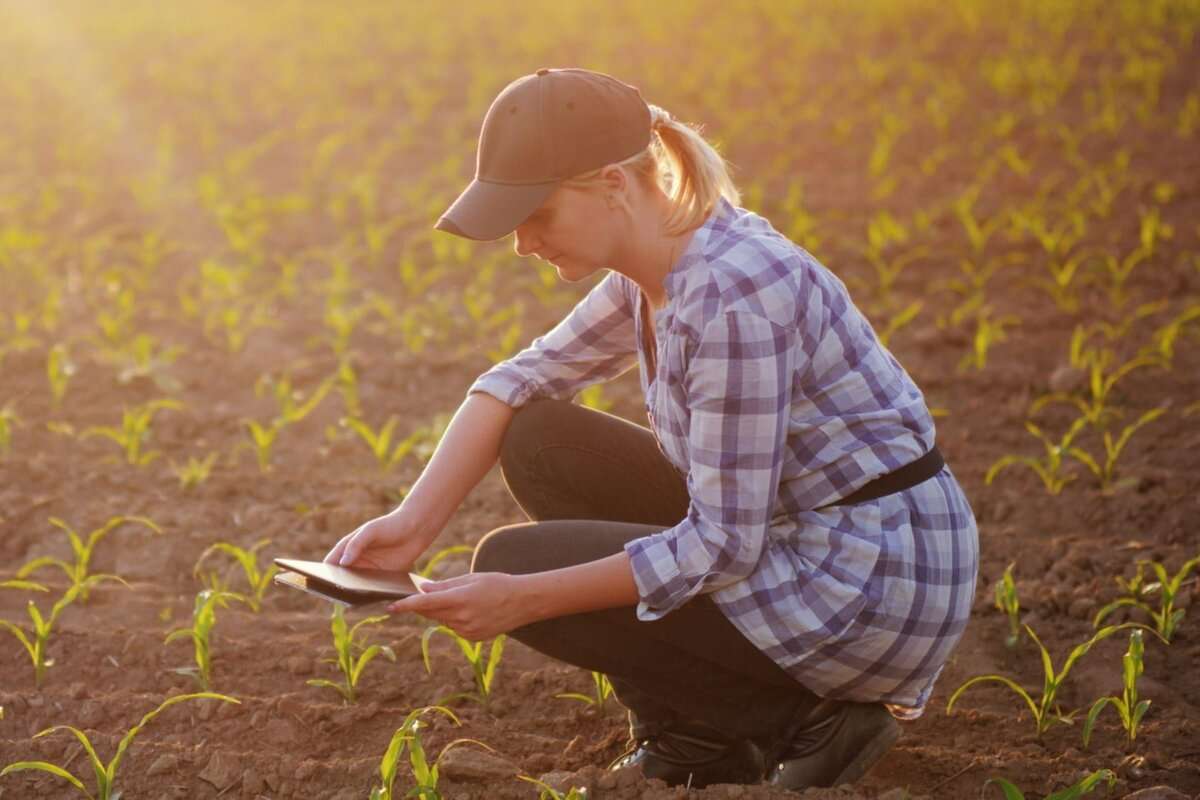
[[390, 542]]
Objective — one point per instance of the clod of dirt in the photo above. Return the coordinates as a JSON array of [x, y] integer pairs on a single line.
[[166, 764], [222, 771], [471, 765], [1156, 793]]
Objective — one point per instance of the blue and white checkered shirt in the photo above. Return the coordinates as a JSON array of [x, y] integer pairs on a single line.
[[773, 395]]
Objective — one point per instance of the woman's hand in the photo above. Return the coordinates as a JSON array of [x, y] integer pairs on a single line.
[[392, 542], [477, 606]]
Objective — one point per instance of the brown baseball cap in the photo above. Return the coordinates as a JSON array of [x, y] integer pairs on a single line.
[[541, 129]]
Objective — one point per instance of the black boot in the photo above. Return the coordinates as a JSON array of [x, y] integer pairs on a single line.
[[836, 743], [693, 755]]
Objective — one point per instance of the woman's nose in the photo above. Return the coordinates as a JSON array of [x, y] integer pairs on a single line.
[[525, 243]]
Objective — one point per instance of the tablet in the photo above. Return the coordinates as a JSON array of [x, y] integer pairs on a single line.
[[352, 586]]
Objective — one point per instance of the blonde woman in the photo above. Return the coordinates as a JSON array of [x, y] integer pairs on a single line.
[[781, 563]]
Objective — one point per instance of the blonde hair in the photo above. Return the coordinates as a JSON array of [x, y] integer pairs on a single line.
[[680, 162]]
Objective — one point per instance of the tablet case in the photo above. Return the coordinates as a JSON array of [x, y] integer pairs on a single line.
[[352, 586]]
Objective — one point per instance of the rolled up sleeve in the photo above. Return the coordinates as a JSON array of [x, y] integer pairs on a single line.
[[738, 385], [594, 342]]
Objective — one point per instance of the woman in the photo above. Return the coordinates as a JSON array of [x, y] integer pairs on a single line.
[[781, 564]]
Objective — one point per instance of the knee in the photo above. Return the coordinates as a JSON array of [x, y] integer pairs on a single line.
[[500, 551]]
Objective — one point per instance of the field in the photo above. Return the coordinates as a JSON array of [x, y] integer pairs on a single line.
[[220, 283]]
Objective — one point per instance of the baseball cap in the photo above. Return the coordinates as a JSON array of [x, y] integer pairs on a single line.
[[540, 130]]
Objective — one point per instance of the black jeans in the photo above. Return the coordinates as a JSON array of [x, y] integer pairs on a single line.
[[590, 482]]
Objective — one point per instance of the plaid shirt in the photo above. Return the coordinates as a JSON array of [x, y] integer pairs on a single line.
[[772, 394]]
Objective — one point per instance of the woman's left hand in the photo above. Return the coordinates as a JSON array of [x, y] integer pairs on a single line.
[[477, 606]]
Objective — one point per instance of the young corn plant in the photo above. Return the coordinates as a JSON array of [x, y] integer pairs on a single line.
[[484, 669], [602, 691], [293, 405], [134, 430], [1166, 617], [1077, 790], [1009, 605], [36, 641], [77, 571], [8, 421], [258, 579], [1045, 709], [352, 655], [424, 774], [59, 370], [446, 552], [106, 774], [204, 617], [380, 442], [988, 331], [262, 438], [548, 792], [195, 471], [1128, 705], [1095, 407], [1106, 470], [1049, 469]]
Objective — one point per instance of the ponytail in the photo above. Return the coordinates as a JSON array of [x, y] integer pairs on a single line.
[[680, 162]]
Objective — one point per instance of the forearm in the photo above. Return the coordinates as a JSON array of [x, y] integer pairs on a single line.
[[469, 448], [591, 586]]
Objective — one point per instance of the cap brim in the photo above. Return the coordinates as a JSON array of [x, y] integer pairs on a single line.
[[489, 211]]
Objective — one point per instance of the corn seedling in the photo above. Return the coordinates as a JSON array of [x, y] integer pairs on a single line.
[[484, 669], [898, 321], [1117, 272], [1084, 786], [1095, 408], [8, 421], [380, 442], [593, 397], [1112, 449], [1007, 602], [106, 774], [1048, 469], [548, 792], [988, 331], [195, 471], [352, 655], [1045, 709], [1166, 617], [259, 580], [42, 626], [603, 690], [446, 552], [59, 370], [77, 571], [293, 405], [134, 430], [28, 586], [262, 439], [1128, 705], [346, 380], [1164, 339], [204, 617], [424, 774], [142, 357]]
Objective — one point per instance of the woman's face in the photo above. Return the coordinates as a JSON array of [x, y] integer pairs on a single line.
[[571, 231]]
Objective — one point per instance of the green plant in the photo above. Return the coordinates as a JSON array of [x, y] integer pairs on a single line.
[[425, 775], [204, 617], [1128, 705], [446, 552], [1084, 786], [1048, 469], [548, 792], [352, 655], [1045, 709], [1112, 449], [106, 774], [195, 471], [258, 579], [1166, 617], [43, 626], [1095, 406], [988, 331], [134, 430], [59, 370], [602, 687], [484, 670], [380, 442], [8, 421], [77, 572], [293, 405], [1007, 602], [262, 437]]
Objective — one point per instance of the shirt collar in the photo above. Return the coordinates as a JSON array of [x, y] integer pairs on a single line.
[[717, 223]]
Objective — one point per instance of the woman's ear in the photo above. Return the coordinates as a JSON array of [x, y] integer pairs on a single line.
[[616, 186]]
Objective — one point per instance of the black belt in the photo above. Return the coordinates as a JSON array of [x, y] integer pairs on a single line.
[[910, 474]]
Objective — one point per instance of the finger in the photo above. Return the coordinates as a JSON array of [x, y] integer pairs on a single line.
[[335, 554], [443, 584], [354, 547]]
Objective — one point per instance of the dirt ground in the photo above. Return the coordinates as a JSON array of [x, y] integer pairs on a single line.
[[289, 740]]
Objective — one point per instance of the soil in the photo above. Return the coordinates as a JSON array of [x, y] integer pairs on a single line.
[[287, 739]]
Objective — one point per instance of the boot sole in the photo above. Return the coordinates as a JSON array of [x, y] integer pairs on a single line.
[[874, 750]]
